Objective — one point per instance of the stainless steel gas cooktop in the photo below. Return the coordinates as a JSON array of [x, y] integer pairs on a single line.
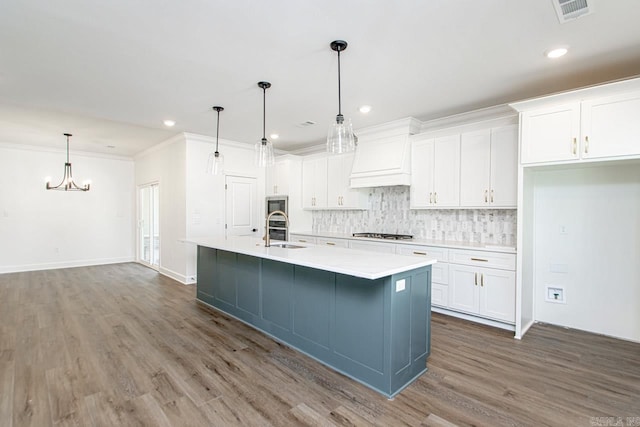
[[384, 236]]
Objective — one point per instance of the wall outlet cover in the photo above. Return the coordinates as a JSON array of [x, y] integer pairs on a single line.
[[555, 294], [400, 285]]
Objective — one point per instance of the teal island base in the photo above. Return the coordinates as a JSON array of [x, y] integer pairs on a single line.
[[376, 331]]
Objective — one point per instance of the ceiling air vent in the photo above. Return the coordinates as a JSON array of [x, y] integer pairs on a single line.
[[568, 10], [306, 124]]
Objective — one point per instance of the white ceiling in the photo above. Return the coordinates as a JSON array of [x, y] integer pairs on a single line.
[[111, 71]]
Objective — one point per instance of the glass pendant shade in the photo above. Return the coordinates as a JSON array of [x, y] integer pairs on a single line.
[[215, 163], [264, 156], [67, 183], [340, 138]]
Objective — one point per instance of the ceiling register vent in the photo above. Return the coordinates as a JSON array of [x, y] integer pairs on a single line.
[[568, 10]]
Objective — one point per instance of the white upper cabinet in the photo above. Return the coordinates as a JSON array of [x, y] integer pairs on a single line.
[[277, 178], [435, 172], [551, 134], [339, 194], [488, 167], [591, 126], [611, 126], [314, 183]]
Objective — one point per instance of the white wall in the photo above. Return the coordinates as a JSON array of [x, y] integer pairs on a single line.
[[166, 165], [43, 229], [192, 201], [596, 258], [205, 197]]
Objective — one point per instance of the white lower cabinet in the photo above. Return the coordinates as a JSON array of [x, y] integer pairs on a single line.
[[302, 238], [439, 270], [366, 245], [480, 290], [341, 243]]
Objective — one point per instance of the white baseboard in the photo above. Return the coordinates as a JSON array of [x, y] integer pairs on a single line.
[[476, 319], [524, 329], [63, 264], [185, 280]]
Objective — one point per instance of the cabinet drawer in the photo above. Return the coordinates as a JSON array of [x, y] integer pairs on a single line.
[[439, 295], [440, 273], [332, 242], [440, 254], [302, 238], [483, 259], [388, 248]]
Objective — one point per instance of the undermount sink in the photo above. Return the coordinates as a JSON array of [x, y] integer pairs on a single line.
[[287, 246]]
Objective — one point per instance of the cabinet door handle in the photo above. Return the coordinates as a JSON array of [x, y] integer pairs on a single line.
[[482, 279], [575, 146], [586, 145], [330, 243], [419, 253], [430, 198], [302, 241], [435, 197], [475, 279], [491, 196], [486, 196], [479, 259]]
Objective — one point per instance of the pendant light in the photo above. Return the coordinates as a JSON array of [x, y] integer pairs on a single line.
[[264, 149], [67, 183], [215, 164], [340, 138]]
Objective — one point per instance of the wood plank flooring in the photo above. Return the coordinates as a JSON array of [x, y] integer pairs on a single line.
[[120, 345]]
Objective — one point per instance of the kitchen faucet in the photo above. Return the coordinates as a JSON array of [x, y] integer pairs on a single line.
[[267, 240]]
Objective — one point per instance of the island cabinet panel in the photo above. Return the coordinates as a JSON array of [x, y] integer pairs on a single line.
[[313, 293], [225, 288], [277, 281], [359, 305], [374, 331], [206, 273], [248, 284]]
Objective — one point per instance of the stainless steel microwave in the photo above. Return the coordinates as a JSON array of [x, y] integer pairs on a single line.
[[277, 227], [277, 203]]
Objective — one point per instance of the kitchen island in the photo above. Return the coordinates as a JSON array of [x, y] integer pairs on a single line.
[[364, 314]]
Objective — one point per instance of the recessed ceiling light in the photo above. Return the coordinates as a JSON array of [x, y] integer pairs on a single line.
[[169, 123], [274, 136], [557, 52], [365, 109]]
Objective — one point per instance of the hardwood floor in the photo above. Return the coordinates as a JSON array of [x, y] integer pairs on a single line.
[[121, 345]]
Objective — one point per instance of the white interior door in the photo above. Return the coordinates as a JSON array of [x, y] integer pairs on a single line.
[[241, 218], [149, 225]]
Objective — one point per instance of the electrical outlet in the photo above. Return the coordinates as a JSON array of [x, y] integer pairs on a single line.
[[555, 294], [400, 285]]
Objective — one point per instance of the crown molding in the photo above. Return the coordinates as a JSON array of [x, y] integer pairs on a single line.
[[45, 149]]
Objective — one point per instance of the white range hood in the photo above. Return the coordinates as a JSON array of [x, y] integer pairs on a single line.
[[383, 155]]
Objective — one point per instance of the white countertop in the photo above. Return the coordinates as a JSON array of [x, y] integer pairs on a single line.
[[353, 262], [423, 242]]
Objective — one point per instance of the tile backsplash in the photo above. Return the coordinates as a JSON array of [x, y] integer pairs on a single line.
[[389, 213]]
